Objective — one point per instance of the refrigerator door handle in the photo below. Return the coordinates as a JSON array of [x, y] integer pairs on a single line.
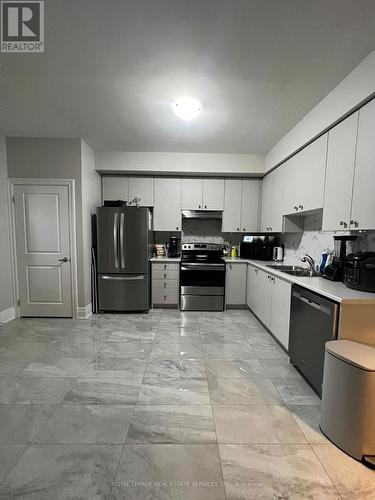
[[122, 247], [124, 278], [115, 239]]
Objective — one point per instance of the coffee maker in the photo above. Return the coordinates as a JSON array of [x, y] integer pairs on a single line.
[[335, 270], [173, 247]]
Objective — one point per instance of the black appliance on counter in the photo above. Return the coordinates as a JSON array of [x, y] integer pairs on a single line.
[[313, 321], [173, 247], [335, 270], [258, 247], [359, 271], [202, 277]]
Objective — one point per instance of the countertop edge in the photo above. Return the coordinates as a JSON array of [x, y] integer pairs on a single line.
[[314, 284]]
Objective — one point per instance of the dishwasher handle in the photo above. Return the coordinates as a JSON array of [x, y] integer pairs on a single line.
[[312, 303]]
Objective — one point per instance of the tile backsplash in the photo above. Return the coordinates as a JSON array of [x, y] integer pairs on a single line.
[[314, 242], [200, 230]]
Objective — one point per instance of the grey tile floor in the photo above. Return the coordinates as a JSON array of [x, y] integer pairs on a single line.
[[162, 406]]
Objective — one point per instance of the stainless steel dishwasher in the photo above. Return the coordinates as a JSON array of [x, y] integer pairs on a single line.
[[313, 321]]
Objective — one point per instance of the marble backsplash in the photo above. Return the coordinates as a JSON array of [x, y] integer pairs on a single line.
[[200, 230], [314, 242]]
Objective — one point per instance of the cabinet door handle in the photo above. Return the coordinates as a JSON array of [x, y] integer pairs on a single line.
[[295, 207], [199, 206], [354, 222], [205, 206], [238, 229], [301, 207], [244, 229], [176, 228]]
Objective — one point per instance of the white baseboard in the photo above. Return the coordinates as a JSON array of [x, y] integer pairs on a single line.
[[7, 315], [84, 312]]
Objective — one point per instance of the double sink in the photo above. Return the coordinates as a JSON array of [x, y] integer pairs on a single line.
[[295, 271]]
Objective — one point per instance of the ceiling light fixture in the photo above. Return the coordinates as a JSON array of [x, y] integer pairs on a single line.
[[186, 108]]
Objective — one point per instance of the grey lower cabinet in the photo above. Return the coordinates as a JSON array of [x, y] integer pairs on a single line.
[[165, 279], [269, 299]]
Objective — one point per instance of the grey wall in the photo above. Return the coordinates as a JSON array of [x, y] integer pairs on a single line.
[[59, 159], [91, 198], [6, 291]]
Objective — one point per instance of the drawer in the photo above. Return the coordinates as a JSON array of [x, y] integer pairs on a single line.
[[167, 296], [165, 266], [165, 274], [164, 284]]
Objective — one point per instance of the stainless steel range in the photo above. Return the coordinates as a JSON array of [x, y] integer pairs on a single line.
[[202, 277]]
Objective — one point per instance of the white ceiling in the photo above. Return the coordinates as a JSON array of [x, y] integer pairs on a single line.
[[111, 68]]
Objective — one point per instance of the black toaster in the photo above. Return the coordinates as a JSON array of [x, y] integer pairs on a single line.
[[359, 271]]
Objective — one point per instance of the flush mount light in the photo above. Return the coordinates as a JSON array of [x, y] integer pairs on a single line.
[[186, 108]]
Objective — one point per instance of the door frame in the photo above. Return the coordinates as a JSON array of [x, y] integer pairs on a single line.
[[70, 183]]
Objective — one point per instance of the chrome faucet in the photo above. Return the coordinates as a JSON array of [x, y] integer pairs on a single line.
[[307, 258]]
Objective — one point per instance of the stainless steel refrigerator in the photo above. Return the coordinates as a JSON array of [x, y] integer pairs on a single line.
[[123, 250]]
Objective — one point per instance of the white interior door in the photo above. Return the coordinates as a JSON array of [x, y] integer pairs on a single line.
[[43, 250]]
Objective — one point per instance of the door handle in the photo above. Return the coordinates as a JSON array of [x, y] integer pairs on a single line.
[[123, 278], [115, 239], [122, 248], [65, 259]]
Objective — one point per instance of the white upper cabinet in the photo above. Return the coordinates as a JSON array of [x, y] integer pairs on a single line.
[[304, 180], [266, 211], [192, 194], [241, 205], [202, 194], [363, 205], [278, 189], [143, 188], [339, 174], [232, 206], [115, 188], [250, 205], [167, 207], [213, 194], [273, 200]]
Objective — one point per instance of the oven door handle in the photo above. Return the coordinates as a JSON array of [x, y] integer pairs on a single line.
[[203, 267]]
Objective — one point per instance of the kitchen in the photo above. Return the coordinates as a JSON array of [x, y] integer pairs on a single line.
[[187, 300]]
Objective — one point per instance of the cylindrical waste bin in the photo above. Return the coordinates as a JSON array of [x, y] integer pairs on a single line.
[[348, 398]]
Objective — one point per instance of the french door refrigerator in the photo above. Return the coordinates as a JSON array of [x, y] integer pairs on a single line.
[[123, 258]]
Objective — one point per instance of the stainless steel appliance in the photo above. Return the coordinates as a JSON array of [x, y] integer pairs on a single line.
[[123, 250], [348, 403], [313, 321], [278, 254], [202, 277], [359, 271], [201, 214]]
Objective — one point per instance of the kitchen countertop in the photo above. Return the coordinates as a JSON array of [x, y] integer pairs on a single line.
[[165, 259], [330, 289]]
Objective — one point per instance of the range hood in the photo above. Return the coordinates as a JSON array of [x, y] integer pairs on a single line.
[[201, 214]]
